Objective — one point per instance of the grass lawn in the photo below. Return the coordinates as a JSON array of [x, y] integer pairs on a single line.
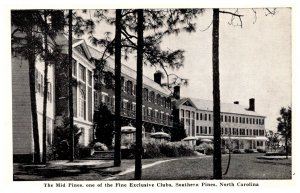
[[243, 166]]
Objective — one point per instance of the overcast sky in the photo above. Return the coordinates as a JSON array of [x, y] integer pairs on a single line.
[[255, 60]]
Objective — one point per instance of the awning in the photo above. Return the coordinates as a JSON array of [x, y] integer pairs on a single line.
[[128, 129], [190, 138], [160, 135]]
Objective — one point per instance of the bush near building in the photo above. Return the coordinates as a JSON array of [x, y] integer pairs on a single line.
[[154, 149]]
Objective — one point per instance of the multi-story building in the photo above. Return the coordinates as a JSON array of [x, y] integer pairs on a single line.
[[241, 126], [157, 108], [83, 88], [57, 103], [21, 106]]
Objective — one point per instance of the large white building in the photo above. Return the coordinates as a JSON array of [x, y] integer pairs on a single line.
[[57, 98], [241, 126]]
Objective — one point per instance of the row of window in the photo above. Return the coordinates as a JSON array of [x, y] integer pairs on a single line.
[[231, 131], [131, 107], [129, 87], [82, 73], [224, 118], [39, 86]]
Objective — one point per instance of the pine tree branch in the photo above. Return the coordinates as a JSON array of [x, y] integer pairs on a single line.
[[128, 38]]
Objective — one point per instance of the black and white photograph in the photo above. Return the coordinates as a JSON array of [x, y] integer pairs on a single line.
[[178, 97]]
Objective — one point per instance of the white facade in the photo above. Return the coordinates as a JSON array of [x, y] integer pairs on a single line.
[[22, 124], [83, 117], [245, 128]]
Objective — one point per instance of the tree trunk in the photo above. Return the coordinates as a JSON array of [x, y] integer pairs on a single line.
[[35, 128], [44, 157], [217, 159], [139, 96], [117, 152], [71, 113]]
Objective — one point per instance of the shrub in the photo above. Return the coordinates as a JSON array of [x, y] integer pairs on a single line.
[[249, 151], [61, 142], [100, 146], [85, 151], [151, 149], [184, 149], [51, 153], [261, 151], [224, 151], [169, 149], [206, 148], [236, 151]]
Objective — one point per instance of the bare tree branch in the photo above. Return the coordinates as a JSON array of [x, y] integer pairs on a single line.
[[255, 15], [207, 26], [269, 12]]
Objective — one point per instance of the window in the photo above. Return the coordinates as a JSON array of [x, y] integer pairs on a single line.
[[200, 116], [209, 130], [233, 119], [129, 87], [158, 99], [261, 132], [242, 131], [145, 94], [74, 68], [205, 130], [152, 96], [205, 117], [237, 120], [90, 78], [124, 104], [197, 129], [226, 131], [39, 83], [225, 118], [229, 119], [201, 129], [221, 118], [134, 90], [197, 116], [209, 117], [81, 72], [188, 115], [193, 115], [82, 104], [49, 92], [182, 112], [149, 112], [163, 101]]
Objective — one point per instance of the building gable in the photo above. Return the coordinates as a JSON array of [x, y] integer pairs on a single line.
[[187, 103]]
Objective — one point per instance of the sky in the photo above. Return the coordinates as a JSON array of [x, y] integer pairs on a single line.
[[255, 60]]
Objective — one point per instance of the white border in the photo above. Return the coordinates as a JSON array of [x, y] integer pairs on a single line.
[[7, 184]]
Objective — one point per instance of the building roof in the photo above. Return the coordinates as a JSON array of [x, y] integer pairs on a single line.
[[207, 105], [130, 72]]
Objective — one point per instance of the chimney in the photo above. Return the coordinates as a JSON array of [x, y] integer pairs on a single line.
[[236, 102], [177, 92], [252, 104], [157, 77]]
